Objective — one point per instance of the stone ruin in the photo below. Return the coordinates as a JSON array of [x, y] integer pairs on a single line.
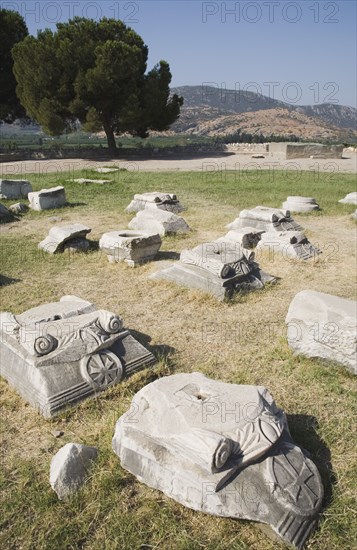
[[154, 220], [69, 468], [66, 237], [14, 189], [265, 218], [279, 232], [300, 204], [223, 449], [290, 150], [132, 247], [55, 197], [164, 201], [5, 214], [220, 268], [350, 198], [88, 180], [59, 353], [107, 169], [324, 326]]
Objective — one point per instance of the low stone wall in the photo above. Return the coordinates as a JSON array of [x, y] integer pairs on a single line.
[[305, 150], [103, 153]]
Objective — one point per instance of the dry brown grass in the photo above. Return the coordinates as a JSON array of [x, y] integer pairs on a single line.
[[240, 342]]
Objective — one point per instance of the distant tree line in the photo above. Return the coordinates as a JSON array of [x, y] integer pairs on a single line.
[[246, 137]]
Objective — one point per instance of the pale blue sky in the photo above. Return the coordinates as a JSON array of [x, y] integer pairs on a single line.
[[303, 52]]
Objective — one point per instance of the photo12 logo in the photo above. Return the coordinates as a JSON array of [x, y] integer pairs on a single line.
[[289, 92], [55, 11], [270, 12]]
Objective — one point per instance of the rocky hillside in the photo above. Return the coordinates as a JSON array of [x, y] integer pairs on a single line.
[[210, 111]]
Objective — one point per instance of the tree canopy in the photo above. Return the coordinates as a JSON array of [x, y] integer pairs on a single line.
[[13, 29], [94, 72]]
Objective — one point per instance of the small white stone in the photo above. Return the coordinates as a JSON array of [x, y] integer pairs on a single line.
[[69, 468]]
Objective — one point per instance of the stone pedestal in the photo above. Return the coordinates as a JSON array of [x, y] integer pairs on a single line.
[[220, 268], [223, 449], [132, 247], [15, 189], [57, 354], [55, 197]]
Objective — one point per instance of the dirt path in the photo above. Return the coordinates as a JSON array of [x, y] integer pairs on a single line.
[[239, 162]]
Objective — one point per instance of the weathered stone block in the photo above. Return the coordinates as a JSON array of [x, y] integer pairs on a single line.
[[300, 204], [88, 180], [247, 237], [69, 468], [163, 201], [71, 237], [350, 198], [290, 150], [220, 268], [55, 197], [265, 219], [291, 244], [131, 247], [223, 449], [156, 221], [5, 214], [15, 189], [59, 353], [324, 326]]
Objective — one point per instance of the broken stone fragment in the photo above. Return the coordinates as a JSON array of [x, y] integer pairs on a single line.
[[55, 197], [351, 198], [15, 189], [154, 220], [324, 326], [223, 449], [300, 204], [5, 214], [291, 244], [131, 247], [18, 208], [163, 201], [71, 237], [107, 170], [69, 468], [265, 219], [87, 180]]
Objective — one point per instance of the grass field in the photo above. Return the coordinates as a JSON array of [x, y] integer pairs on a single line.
[[239, 342]]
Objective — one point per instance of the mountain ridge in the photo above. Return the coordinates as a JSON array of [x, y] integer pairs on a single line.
[[206, 107]]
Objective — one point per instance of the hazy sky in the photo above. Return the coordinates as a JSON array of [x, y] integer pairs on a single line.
[[302, 52]]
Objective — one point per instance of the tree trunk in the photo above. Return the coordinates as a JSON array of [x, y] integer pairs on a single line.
[[112, 146]]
